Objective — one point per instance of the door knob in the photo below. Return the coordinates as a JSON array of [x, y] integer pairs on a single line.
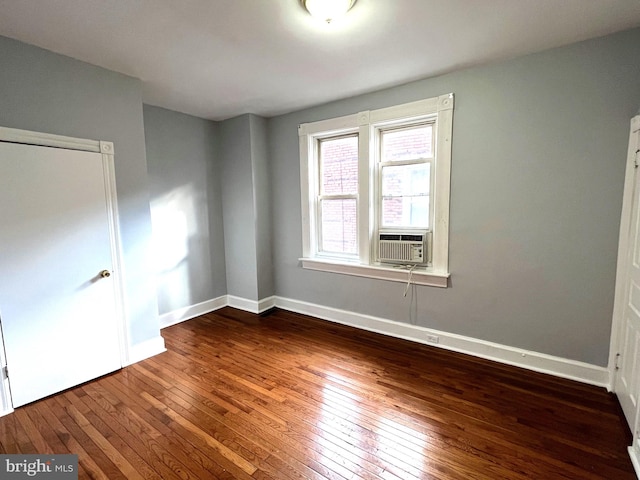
[[105, 273]]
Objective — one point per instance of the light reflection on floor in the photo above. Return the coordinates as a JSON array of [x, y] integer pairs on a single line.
[[363, 443]]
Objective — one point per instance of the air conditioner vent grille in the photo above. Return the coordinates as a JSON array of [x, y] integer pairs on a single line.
[[397, 251], [402, 247]]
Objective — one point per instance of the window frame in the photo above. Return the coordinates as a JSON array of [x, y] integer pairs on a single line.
[[368, 125]]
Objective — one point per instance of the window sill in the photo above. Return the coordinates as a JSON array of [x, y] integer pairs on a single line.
[[420, 276]]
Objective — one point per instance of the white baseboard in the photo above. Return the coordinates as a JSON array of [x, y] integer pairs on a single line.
[[539, 362], [252, 306], [635, 460], [146, 349], [6, 406], [6, 411], [266, 304], [187, 313]]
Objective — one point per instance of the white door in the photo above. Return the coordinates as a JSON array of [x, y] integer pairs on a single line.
[[57, 296], [626, 346]]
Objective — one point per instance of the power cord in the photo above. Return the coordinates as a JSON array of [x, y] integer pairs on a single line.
[[409, 280]]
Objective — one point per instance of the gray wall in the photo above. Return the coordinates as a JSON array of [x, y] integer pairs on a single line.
[[246, 207], [262, 200], [46, 92], [186, 208], [239, 208], [539, 148]]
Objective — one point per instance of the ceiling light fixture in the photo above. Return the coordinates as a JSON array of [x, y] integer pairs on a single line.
[[328, 10]]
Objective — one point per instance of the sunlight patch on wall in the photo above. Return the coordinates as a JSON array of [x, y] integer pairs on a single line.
[[174, 224]]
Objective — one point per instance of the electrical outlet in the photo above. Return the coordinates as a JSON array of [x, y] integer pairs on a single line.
[[433, 338]]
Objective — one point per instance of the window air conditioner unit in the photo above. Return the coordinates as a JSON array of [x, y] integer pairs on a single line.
[[403, 247]]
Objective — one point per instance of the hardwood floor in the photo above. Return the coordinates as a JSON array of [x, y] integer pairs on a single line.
[[284, 396]]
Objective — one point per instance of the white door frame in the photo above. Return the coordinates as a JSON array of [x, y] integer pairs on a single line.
[[106, 149]]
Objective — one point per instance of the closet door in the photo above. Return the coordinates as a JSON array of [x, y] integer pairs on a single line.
[[625, 344], [57, 295]]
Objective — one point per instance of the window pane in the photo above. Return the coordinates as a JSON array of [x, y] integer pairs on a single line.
[[339, 224], [405, 212], [339, 166], [404, 180], [405, 195], [407, 143]]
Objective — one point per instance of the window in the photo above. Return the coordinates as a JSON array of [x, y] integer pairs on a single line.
[[405, 173], [376, 175], [338, 195]]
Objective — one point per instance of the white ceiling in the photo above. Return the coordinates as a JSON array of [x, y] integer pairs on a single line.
[[220, 58]]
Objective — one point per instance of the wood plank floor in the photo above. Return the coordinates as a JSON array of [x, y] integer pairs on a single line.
[[284, 396]]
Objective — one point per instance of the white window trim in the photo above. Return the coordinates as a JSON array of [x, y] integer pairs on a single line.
[[366, 123]]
